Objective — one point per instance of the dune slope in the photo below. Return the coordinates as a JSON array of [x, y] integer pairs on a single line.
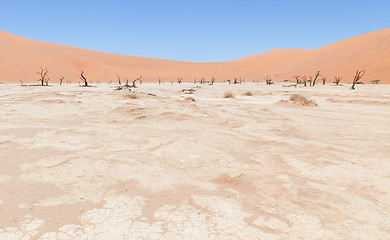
[[21, 58]]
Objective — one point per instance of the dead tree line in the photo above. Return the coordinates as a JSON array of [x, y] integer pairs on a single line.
[[299, 80]]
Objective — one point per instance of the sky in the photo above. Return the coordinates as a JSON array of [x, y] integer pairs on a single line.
[[197, 31]]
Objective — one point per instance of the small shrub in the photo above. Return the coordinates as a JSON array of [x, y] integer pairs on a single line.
[[248, 93], [375, 81], [228, 95], [190, 99], [132, 96], [298, 98]]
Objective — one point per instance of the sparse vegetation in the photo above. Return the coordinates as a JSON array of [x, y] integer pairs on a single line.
[[188, 91], [190, 99], [247, 93], [228, 95], [375, 81], [298, 98], [132, 96]]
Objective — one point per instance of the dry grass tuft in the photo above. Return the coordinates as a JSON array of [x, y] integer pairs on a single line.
[[131, 96], [298, 98], [190, 99], [228, 95], [248, 93]]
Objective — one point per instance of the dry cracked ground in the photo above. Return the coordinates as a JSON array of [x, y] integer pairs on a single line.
[[93, 163]]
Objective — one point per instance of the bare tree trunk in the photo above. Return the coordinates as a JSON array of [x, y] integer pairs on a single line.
[[268, 80], [304, 80], [337, 80], [83, 79], [315, 78], [212, 80], [297, 80], [43, 75], [358, 76], [47, 81], [61, 79]]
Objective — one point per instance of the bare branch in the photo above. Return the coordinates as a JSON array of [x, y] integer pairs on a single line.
[[61, 79], [358, 76]]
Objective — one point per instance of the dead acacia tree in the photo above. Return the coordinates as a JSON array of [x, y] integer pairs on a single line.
[[44, 74], [159, 81], [268, 80], [324, 80], [212, 80], [310, 80], [304, 80], [237, 81], [126, 84], [316, 77], [229, 81], [202, 80], [82, 78], [47, 81], [297, 79], [337, 80], [21, 82], [119, 80], [179, 79], [358, 76], [61, 79], [134, 81]]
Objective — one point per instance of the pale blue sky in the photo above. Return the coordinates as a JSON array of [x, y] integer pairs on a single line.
[[201, 31]]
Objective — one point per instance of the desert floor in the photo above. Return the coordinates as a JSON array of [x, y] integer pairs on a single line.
[[92, 163]]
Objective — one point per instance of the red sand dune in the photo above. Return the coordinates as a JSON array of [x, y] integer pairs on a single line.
[[21, 58]]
